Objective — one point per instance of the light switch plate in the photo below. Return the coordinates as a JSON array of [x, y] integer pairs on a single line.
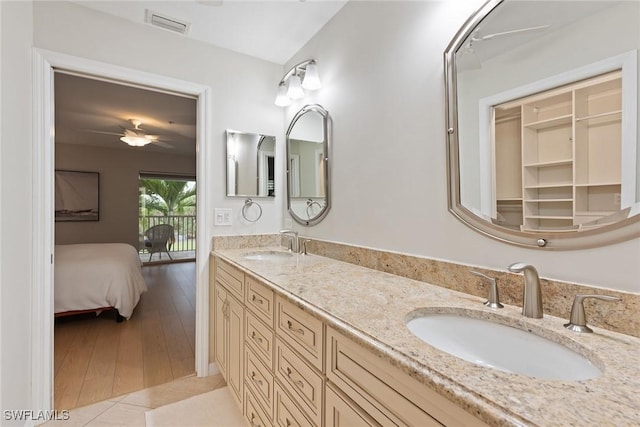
[[223, 216]]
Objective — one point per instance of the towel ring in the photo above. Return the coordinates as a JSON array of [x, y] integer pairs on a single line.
[[248, 203], [310, 204]]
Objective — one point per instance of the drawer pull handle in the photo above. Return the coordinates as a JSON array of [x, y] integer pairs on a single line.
[[256, 299], [255, 380], [291, 328], [253, 417], [255, 337], [287, 422], [297, 383]]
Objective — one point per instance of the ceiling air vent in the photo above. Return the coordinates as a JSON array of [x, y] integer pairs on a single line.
[[167, 22]]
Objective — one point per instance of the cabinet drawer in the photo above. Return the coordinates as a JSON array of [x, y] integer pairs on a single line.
[[386, 393], [342, 412], [259, 380], [260, 338], [301, 331], [300, 380], [253, 413], [260, 300], [287, 413], [231, 277]]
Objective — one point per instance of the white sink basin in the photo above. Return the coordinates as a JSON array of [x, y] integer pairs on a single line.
[[268, 256], [502, 347]]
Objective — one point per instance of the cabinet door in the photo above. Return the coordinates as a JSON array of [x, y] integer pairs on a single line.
[[341, 412], [235, 342], [220, 325]]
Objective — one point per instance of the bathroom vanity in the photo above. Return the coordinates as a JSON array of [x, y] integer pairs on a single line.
[[308, 340]]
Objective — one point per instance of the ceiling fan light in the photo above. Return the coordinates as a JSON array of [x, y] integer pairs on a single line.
[[282, 100], [294, 90], [135, 141], [311, 77]]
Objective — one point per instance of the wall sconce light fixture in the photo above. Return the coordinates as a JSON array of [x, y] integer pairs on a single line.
[[301, 76]]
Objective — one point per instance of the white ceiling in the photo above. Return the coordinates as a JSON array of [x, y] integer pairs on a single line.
[[267, 29], [95, 113]]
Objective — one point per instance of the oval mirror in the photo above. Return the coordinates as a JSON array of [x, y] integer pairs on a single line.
[[542, 113], [308, 181], [250, 164]]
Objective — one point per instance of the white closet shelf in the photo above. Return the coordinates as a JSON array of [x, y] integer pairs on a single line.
[[599, 184], [594, 213], [559, 185], [549, 123], [549, 164], [564, 217], [547, 200], [610, 116]]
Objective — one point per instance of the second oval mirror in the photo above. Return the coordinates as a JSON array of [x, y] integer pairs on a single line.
[[308, 181]]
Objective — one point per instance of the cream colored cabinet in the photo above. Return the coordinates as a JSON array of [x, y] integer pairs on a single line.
[[287, 368], [229, 346], [299, 363], [229, 327], [558, 156], [343, 412], [259, 339], [384, 392]]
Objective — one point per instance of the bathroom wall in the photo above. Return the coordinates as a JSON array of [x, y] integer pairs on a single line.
[[381, 64], [242, 87], [15, 189], [242, 91]]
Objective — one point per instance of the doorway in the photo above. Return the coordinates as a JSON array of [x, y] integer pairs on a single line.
[[45, 65]]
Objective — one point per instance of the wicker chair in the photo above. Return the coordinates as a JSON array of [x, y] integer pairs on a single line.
[[156, 239]]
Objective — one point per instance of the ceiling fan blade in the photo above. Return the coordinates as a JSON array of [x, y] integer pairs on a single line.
[[162, 144], [99, 131], [505, 33]]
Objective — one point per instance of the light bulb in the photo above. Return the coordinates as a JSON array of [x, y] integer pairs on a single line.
[[311, 78], [282, 100], [135, 141], [295, 88]]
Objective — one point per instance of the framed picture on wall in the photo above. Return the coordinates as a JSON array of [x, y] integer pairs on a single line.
[[77, 196]]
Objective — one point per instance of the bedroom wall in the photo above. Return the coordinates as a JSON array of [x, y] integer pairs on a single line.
[[119, 170]]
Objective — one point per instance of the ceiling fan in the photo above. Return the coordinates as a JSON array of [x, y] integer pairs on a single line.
[[136, 136], [467, 58], [476, 38]]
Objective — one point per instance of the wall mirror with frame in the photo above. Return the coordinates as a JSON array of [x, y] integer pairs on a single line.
[[542, 113], [250, 164], [308, 180]]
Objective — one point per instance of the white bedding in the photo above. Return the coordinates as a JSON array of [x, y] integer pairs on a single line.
[[95, 275]]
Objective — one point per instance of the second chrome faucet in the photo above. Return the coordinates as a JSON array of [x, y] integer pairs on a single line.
[[532, 295]]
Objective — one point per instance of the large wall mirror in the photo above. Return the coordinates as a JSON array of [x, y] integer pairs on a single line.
[[250, 164], [308, 181], [542, 114]]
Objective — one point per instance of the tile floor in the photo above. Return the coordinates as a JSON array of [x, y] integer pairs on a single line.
[[129, 409]]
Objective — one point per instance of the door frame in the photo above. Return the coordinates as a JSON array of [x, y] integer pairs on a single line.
[[42, 321]]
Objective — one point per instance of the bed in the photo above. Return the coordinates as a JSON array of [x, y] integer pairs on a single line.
[[96, 277]]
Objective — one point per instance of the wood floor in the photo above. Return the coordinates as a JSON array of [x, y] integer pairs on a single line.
[[96, 358]]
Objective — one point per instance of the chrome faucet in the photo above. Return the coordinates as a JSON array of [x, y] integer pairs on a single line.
[[532, 296], [294, 242]]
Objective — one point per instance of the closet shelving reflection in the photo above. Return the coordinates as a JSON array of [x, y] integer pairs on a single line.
[[558, 155]]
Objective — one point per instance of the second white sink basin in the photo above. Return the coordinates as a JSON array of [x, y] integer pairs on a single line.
[[502, 347], [268, 256]]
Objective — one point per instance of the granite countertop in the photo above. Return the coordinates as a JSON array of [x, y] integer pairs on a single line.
[[371, 307]]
